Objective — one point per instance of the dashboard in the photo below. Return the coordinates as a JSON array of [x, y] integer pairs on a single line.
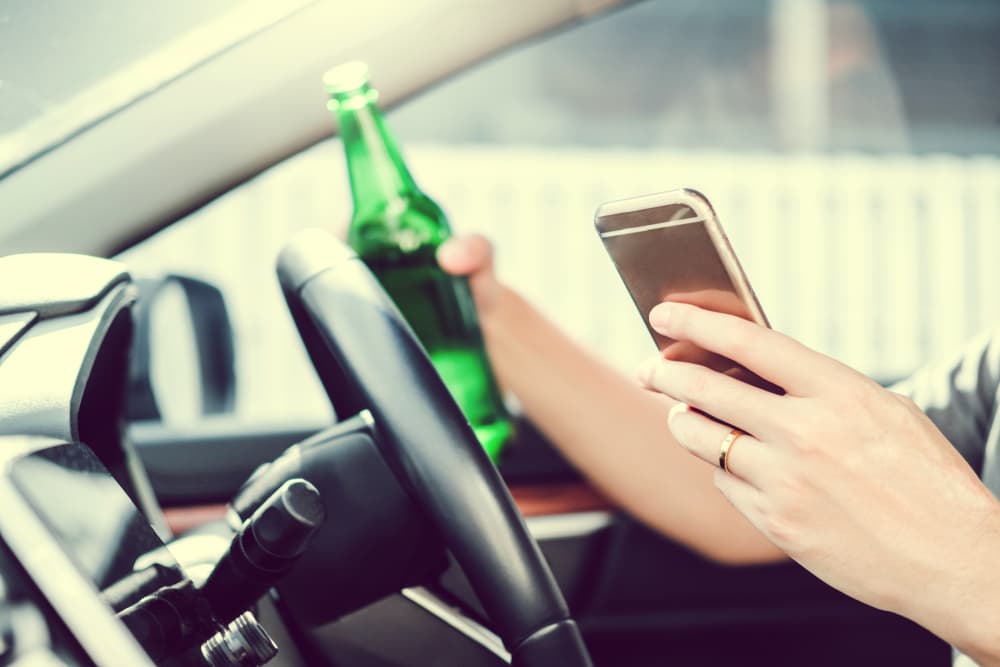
[[69, 535], [87, 581]]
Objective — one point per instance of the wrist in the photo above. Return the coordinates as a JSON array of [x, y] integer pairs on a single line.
[[980, 640], [978, 631], [973, 626]]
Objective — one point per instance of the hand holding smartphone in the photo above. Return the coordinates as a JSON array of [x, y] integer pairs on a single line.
[[670, 246]]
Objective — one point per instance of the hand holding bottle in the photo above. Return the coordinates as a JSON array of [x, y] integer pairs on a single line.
[[472, 256]]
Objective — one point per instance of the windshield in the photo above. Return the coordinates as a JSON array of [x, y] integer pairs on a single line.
[[875, 76], [849, 148], [65, 64]]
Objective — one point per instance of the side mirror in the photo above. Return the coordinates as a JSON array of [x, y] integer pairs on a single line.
[[183, 361]]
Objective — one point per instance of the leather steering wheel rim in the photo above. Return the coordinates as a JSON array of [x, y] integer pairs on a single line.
[[368, 358]]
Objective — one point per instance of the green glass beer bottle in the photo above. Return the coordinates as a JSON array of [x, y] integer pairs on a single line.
[[396, 229]]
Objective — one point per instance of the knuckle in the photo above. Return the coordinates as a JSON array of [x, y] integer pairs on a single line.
[[694, 382], [908, 403], [866, 396], [870, 394], [787, 490], [782, 530], [739, 345], [806, 427], [848, 394], [795, 429], [784, 520], [815, 457]]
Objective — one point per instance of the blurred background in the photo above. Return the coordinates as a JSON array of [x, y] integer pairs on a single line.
[[850, 149]]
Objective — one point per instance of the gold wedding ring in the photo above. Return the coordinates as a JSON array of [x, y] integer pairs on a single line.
[[727, 446]]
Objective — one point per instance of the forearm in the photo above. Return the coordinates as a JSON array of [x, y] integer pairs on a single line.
[[615, 433]]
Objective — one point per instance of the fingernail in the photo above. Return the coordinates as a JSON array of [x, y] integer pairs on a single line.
[[676, 410], [644, 372], [659, 317]]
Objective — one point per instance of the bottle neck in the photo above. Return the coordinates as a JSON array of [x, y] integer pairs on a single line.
[[374, 162]]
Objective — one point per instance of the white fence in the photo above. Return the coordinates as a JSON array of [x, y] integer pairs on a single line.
[[879, 261]]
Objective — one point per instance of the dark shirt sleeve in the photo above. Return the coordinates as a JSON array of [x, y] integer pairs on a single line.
[[959, 394]]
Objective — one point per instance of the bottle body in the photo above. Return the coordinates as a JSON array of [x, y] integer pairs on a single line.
[[396, 230]]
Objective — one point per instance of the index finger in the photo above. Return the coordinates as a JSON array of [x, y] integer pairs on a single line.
[[772, 355]]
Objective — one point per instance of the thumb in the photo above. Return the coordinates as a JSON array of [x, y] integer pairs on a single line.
[[472, 256], [466, 255]]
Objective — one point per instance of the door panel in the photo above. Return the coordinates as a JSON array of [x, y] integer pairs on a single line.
[[654, 602]]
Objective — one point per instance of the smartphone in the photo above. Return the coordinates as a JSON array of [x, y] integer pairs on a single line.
[[670, 246]]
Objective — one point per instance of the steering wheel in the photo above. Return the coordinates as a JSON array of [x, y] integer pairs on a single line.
[[369, 359]]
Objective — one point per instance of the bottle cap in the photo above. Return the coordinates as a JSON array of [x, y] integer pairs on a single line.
[[346, 78]]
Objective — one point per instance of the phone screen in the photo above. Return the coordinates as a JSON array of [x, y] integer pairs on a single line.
[[675, 259], [666, 249]]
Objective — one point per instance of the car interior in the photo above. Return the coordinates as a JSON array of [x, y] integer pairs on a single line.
[[220, 442]]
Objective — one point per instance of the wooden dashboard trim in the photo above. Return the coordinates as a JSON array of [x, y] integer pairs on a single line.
[[532, 499]]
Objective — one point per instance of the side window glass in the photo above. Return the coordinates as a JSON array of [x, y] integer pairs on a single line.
[[233, 244], [849, 148]]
